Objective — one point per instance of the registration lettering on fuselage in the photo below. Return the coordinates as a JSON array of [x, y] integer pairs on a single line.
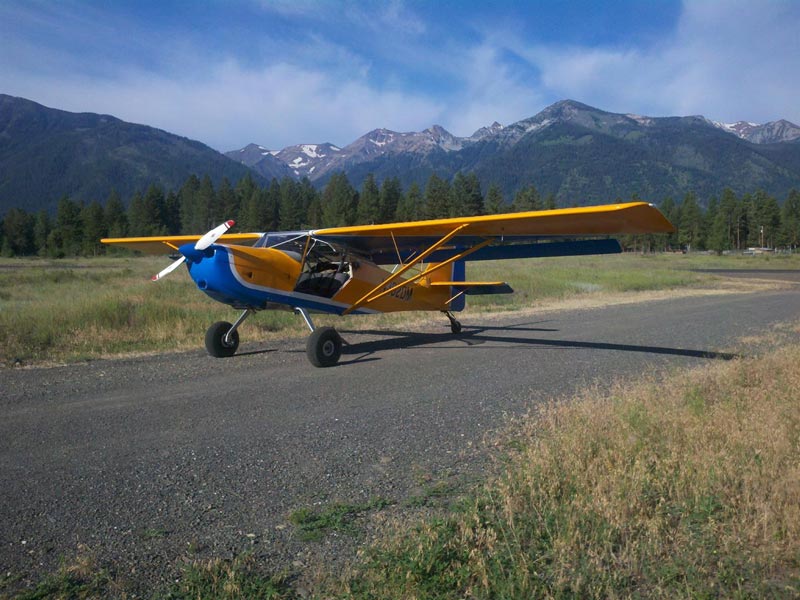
[[401, 293]]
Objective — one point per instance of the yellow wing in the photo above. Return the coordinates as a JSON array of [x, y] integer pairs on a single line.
[[171, 243], [633, 217]]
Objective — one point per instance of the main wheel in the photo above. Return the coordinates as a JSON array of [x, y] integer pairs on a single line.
[[215, 340], [455, 326], [324, 347]]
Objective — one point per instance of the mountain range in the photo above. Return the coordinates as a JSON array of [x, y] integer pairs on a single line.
[[579, 153], [582, 155]]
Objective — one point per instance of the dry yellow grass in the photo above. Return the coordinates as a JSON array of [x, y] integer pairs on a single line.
[[684, 485]]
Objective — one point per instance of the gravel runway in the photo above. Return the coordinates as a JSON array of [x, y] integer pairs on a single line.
[[146, 460]]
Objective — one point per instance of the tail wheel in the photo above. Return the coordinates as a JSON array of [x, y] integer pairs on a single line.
[[324, 347], [216, 343]]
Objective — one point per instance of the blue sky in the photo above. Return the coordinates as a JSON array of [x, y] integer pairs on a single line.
[[281, 72]]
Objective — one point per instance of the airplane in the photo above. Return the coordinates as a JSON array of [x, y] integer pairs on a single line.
[[362, 269]]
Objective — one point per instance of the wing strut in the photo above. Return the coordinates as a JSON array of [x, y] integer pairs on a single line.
[[386, 283]]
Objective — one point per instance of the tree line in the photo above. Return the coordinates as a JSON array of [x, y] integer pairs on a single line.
[[728, 222]]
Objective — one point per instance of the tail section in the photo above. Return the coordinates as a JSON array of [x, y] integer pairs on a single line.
[[455, 278]]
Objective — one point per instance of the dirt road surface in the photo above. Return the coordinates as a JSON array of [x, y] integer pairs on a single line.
[[149, 460]]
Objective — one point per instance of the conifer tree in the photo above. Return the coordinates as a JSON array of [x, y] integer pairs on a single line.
[[146, 213], [526, 199], [308, 194], [291, 205], [204, 203], [466, 195], [192, 219], [391, 196], [690, 223], [437, 198], [227, 205], [65, 238], [368, 211], [765, 218], [495, 203], [790, 219], [273, 200], [41, 229], [94, 228], [339, 202], [115, 216], [18, 233], [410, 206]]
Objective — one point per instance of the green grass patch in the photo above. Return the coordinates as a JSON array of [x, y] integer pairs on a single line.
[[233, 579], [313, 524], [78, 579]]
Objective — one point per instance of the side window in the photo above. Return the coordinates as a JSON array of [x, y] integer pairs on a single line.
[[325, 271]]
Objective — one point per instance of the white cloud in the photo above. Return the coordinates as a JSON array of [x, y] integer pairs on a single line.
[[231, 105], [725, 60]]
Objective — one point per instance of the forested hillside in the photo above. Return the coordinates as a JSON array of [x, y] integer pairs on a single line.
[[727, 221], [46, 154]]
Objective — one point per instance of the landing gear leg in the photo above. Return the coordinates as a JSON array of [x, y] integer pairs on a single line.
[[306, 317], [455, 326]]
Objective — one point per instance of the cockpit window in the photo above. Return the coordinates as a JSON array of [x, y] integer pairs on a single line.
[[326, 268]]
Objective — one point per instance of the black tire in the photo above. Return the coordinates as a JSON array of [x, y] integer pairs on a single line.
[[324, 347], [455, 326], [215, 340]]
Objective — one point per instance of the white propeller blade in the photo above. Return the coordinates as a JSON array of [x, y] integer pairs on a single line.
[[169, 269], [203, 243], [212, 236]]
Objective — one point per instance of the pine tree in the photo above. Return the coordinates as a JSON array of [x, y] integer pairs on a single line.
[[227, 205], [204, 203], [790, 219], [765, 220], [368, 212], [291, 214], [308, 195], [273, 200], [245, 189], [115, 216], [526, 199], [192, 218], [339, 202], [691, 223], [495, 203], [41, 229], [458, 196], [671, 211], [437, 198], [470, 197], [721, 235], [66, 237], [94, 228], [18, 233], [410, 206], [146, 214], [391, 196]]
